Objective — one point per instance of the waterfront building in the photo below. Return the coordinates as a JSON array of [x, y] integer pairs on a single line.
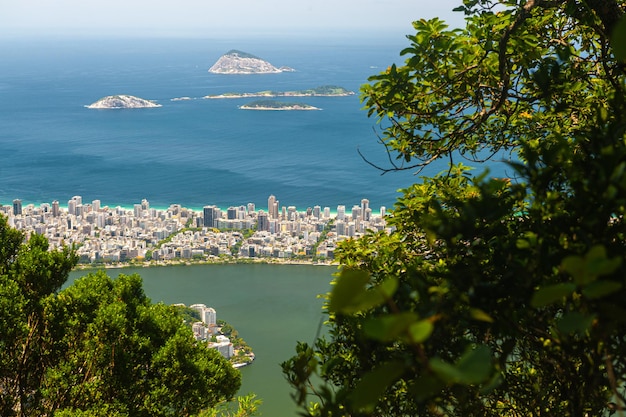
[[341, 212], [316, 212], [365, 205], [209, 216], [17, 207], [199, 330], [231, 213], [55, 208], [223, 346], [71, 206], [272, 207], [207, 314]]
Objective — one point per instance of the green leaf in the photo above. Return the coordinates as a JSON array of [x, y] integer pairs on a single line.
[[348, 287], [473, 367], [618, 40], [575, 266], [552, 293], [421, 330], [599, 289], [388, 328], [374, 384], [587, 269], [350, 294], [446, 371], [575, 322], [425, 387], [599, 264], [478, 314]]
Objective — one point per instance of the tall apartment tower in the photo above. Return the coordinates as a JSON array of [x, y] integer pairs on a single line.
[[209, 216], [73, 204], [55, 208], [317, 211], [95, 204], [341, 212], [272, 207], [365, 205], [17, 207], [263, 221]]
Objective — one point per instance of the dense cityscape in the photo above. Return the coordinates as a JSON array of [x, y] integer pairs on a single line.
[[105, 235]]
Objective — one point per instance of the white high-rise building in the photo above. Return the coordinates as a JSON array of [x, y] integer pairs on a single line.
[[207, 314], [341, 212], [316, 212]]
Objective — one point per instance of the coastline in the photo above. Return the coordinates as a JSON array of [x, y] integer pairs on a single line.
[[191, 262], [287, 108]]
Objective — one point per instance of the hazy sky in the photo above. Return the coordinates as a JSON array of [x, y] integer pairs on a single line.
[[210, 17]]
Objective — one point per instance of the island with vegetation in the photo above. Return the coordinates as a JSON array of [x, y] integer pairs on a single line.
[[122, 102], [238, 62], [276, 105], [322, 91]]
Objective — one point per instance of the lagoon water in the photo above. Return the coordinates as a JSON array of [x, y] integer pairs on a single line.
[[271, 306]]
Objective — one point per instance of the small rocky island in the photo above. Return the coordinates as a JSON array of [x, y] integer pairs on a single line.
[[122, 102], [276, 105], [238, 62], [322, 91]]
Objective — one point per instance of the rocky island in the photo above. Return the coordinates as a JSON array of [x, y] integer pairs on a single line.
[[238, 62], [276, 105], [122, 102], [322, 91]]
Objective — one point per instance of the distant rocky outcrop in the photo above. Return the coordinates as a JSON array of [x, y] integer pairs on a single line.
[[276, 105], [122, 102], [237, 62], [323, 91]]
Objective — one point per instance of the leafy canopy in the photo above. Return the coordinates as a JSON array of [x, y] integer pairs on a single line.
[[99, 347], [491, 296]]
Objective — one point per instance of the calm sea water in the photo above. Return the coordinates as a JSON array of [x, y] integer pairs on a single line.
[[194, 152], [272, 307]]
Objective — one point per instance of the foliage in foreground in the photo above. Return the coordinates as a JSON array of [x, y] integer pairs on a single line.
[[98, 347], [492, 297]]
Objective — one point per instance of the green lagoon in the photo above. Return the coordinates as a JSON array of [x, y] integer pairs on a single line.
[[271, 306]]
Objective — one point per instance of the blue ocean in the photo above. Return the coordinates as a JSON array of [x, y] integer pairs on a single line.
[[194, 152]]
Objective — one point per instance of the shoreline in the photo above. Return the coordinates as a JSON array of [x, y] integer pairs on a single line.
[[287, 108], [188, 262]]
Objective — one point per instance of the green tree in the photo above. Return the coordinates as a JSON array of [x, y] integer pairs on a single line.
[[492, 297], [98, 347]]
